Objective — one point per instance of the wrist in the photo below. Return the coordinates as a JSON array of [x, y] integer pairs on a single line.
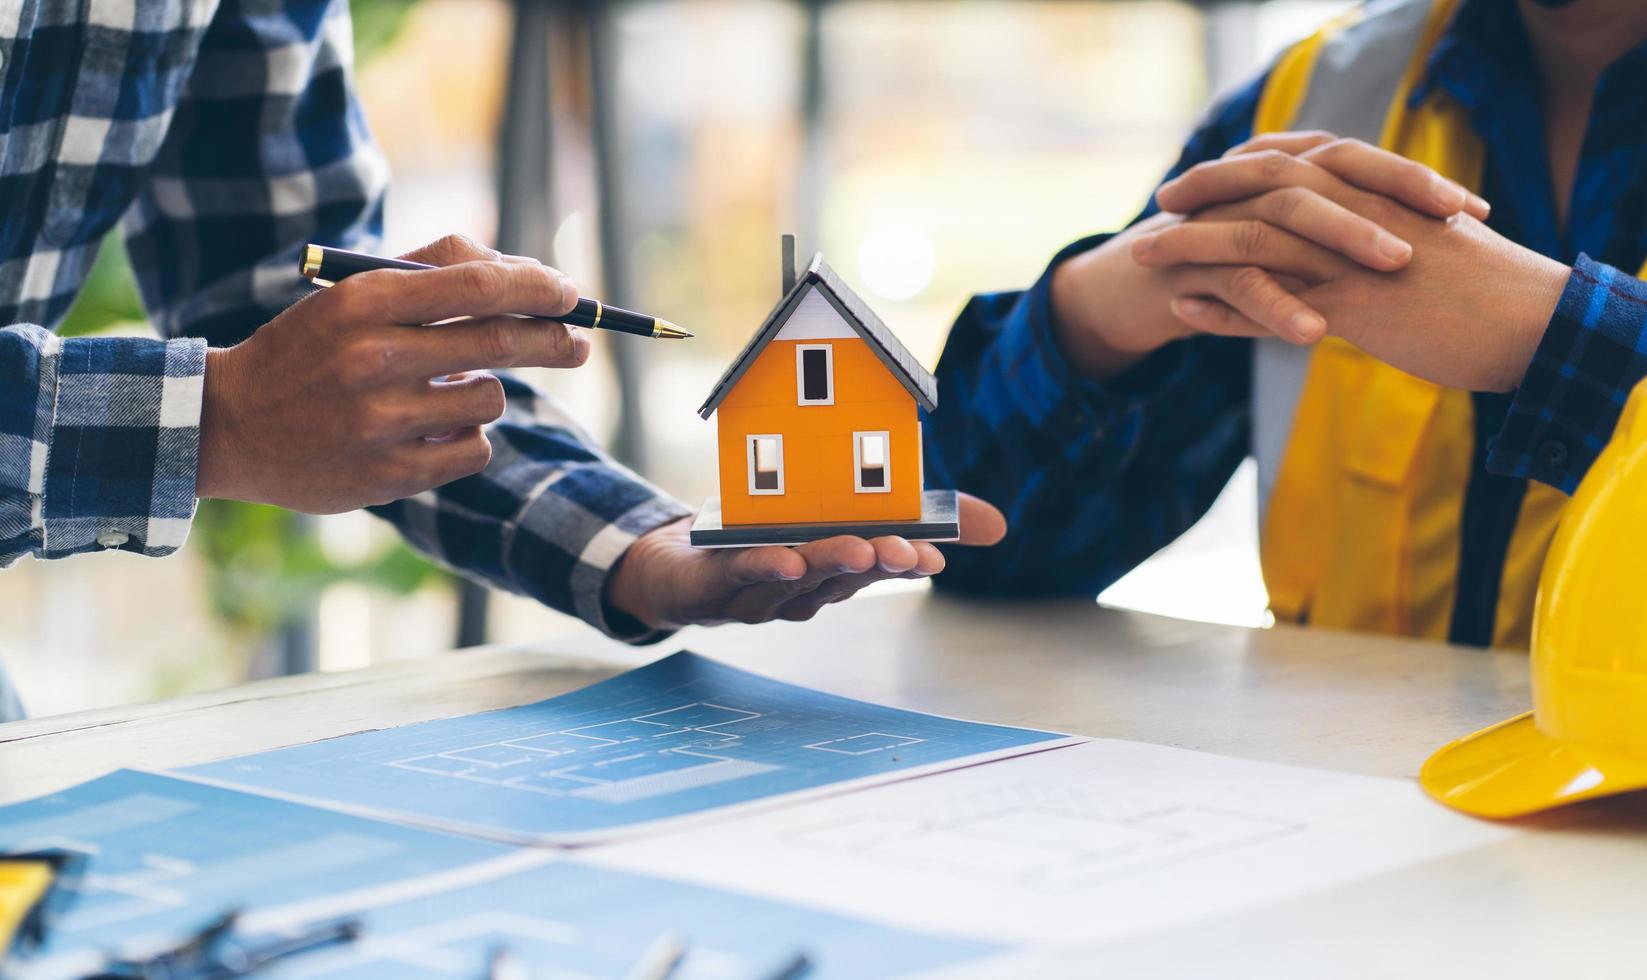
[[1528, 309], [1084, 292], [627, 590], [622, 593], [218, 426]]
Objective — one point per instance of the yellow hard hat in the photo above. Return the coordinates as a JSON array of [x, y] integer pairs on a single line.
[[1587, 733]]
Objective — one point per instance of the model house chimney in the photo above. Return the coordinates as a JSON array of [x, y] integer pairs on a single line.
[[788, 264]]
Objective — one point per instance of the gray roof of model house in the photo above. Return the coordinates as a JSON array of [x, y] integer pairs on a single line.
[[917, 380]]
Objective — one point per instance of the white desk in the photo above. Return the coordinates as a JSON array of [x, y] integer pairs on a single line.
[[1552, 903]]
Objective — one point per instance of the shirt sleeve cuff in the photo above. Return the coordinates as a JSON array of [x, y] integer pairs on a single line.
[[577, 531], [1588, 360], [1048, 387], [124, 446]]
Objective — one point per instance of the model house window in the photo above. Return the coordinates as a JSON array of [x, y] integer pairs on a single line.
[[871, 459], [766, 464], [815, 374]]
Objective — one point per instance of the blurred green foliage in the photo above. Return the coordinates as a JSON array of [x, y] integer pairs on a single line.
[[377, 22], [267, 566], [109, 297]]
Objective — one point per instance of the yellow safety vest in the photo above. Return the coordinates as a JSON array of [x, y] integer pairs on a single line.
[[1364, 507]]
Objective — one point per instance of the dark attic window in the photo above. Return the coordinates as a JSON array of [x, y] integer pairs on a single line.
[[815, 380]]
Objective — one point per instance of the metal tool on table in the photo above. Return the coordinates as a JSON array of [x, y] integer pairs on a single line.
[[219, 950]]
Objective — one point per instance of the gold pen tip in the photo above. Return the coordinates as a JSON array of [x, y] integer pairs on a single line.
[[665, 330]]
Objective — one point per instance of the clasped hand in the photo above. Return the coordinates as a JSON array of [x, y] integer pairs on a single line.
[[1302, 235]]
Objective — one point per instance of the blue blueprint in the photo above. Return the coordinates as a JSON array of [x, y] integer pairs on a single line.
[[566, 919], [167, 855], [680, 736]]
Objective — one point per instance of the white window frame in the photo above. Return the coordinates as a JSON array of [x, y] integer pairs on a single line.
[[749, 444], [858, 462], [800, 373]]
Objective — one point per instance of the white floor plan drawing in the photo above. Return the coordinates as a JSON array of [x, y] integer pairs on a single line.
[[662, 752], [690, 747], [679, 737], [865, 743], [1084, 844], [1013, 837]]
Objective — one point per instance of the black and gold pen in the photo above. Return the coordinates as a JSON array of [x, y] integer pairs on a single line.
[[321, 263]]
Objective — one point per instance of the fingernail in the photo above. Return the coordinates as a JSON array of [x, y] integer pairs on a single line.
[[1481, 204], [1393, 248], [1448, 194], [1143, 246], [1187, 307], [581, 345], [1307, 326]]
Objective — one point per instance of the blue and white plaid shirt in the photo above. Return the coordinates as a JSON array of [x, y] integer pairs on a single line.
[[222, 135]]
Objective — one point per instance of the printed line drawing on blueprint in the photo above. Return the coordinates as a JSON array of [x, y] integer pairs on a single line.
[[865, 743], [1043, 836], [673, 750], [676, 738]]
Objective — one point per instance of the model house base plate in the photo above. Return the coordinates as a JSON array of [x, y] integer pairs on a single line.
[[940, 521]]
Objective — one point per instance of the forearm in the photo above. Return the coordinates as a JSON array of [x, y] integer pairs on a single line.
[[1093, 477], [99, 443], [550, 517]]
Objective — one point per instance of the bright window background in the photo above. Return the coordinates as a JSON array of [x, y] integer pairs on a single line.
[[957, 145]]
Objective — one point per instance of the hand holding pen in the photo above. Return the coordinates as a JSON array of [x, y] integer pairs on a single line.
[[375, 389]]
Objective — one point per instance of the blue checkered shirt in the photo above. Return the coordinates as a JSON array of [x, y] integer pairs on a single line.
[[1094, 478], [222, 135]]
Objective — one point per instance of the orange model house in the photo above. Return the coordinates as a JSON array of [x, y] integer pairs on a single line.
[[819, 424]]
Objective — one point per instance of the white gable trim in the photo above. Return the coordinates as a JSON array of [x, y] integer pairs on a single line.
[[815, 318]]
